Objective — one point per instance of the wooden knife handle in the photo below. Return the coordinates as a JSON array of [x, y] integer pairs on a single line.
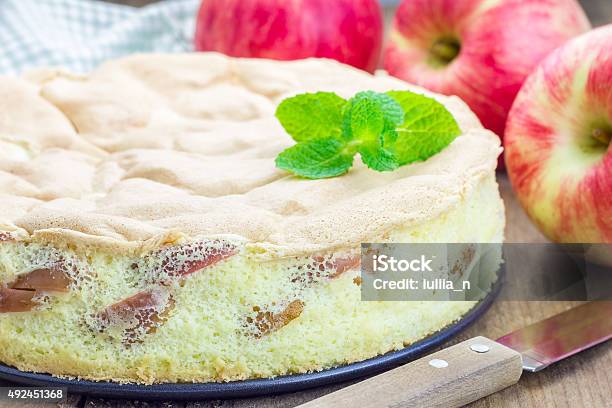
[[451, 377]]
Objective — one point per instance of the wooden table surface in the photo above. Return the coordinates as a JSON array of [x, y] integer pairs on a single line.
[[584, 380]]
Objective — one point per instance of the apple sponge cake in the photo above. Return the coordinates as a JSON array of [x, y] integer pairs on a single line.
[[146, 235]]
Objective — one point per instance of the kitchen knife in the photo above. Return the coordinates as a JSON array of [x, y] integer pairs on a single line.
[[479, 367]]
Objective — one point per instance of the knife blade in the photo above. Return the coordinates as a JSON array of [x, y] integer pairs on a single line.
[[479, 366], [548, 341]]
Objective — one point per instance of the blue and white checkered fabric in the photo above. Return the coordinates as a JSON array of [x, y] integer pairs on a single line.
[[80, 34]]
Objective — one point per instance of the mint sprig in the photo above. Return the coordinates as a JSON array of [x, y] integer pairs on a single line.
[[388, 130]]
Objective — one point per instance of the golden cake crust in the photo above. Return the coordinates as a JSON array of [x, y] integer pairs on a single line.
[[153, 148]]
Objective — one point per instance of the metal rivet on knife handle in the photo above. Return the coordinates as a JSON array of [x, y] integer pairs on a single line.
[[438, 363], [479, 348]]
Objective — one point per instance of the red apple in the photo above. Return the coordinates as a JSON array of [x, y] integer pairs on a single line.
[[349, 31], [480, 50], [558, 136]]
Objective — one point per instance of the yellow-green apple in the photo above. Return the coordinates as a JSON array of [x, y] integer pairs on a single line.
[[480, 50], [349, 31], [558, 137]]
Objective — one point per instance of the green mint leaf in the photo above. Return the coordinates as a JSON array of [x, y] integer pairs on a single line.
[[370, 124], [392, 112], [312, 115], [378, 158], [367, 120], [428, 127], [320, 158], [389, 134], [391, 109]]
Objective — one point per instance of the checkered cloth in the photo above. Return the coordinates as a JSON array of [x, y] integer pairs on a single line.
[[80, 34]]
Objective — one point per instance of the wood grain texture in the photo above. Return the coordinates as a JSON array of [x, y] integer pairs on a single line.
[[467, 376]]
